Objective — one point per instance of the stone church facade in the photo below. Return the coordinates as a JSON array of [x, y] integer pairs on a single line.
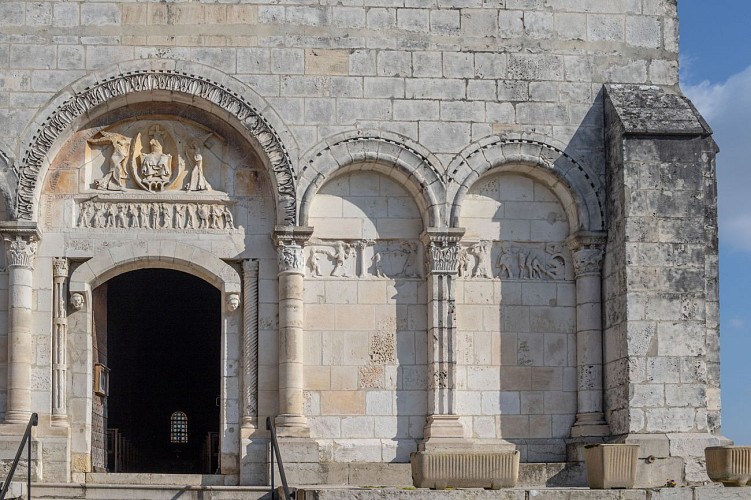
[[437, 225]]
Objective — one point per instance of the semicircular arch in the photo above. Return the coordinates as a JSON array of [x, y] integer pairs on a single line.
[[580, 191], [182, 82], [166, 255], [410, 164]]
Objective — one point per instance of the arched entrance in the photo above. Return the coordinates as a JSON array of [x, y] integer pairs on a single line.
[[209, 280], [157, 332]]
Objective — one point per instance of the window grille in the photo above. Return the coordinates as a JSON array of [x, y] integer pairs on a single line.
[[178, 427]]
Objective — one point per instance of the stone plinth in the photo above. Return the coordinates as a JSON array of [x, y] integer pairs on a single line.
[[730, 465], [611, 465], [465, 470]]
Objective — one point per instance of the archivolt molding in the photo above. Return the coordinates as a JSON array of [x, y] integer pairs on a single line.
[[174, 255], [408, 163], [535, 158], [155, 80], [8, 179]]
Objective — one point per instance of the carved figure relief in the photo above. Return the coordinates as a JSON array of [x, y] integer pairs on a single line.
[[104, 215], [364, 258], [515, 261], [155, 155]]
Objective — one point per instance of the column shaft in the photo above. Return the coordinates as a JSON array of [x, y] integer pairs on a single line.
[[250, 344], [59, 341], [587, 255], [21, 253], [291, 420]]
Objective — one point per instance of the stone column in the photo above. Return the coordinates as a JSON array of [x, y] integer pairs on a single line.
[[442, 251], [59, 341], [587, 252], [250, 345], [21, 251], [291, 421]]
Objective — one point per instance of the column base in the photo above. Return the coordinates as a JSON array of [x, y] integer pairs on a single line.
[[590, 425], [292, 425], [17, 417], [59, 421], [445, 434]]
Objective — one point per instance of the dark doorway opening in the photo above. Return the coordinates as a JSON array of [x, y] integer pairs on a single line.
[[163, 341]]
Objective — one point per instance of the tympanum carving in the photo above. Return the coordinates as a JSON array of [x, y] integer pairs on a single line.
[[155, 156]]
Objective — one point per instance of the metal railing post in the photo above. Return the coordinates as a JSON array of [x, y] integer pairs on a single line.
[[275, 450], [33, 421]]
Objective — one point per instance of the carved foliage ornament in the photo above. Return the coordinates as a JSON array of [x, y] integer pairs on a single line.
[[588, 261], [21, 252], [146, 81]]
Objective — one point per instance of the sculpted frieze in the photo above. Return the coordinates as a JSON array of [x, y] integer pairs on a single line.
[[545, 261], [153, 215], [364, 258]]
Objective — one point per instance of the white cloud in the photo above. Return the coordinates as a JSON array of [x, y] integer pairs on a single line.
[[727, 108]]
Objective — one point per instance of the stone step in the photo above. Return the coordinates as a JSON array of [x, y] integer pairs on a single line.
[[98, 491]]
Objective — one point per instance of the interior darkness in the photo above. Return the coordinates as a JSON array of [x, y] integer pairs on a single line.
[[163, 352]]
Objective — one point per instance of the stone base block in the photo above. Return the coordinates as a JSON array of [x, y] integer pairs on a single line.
[[730, 465], [465, 470], [611, 465]]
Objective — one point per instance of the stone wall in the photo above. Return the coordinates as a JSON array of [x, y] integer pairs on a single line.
[[440, 178]]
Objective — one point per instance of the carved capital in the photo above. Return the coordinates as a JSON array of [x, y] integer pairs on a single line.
[[442, 249], [588, 261], [21, 252], [60, 267], [289, 244]]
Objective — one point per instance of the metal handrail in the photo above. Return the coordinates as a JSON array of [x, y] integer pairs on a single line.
[[33, 421], [275, 450]]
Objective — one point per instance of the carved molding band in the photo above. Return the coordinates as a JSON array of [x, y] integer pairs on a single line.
[[102, 215], [145, 81]]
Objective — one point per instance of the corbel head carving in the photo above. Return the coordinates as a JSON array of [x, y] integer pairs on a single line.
[[77, 300]]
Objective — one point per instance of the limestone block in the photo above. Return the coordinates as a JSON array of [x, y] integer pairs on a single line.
[[100, 14], [357, 450], [367, 474], [325, 427], [643, 31], [349, 17], [326, 62], [343, 403]]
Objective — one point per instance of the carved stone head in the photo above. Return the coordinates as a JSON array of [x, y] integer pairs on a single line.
[[233, 301], [77, 300]]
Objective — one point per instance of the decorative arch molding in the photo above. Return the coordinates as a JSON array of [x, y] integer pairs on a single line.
[[158, 254], [413, 166], [165, 80], [8, 180], [581, 191]]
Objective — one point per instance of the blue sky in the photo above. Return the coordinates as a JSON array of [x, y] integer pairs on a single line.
[[716, 74]]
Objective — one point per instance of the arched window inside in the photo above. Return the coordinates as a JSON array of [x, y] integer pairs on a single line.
[[178, 427]]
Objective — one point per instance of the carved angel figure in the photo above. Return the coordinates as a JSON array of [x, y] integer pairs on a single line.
[[114, 180]]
